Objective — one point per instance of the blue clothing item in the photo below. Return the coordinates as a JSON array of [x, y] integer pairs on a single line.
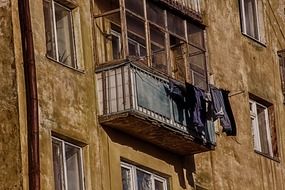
[[196, 101], [222, 110]]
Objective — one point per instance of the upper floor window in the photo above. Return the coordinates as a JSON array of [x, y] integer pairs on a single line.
[[252, 19], [67, 165], [60, 42], [135, 178], [281, 55], [156, 36], [263, 128]]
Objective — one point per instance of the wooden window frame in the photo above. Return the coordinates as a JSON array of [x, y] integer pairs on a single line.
[[185, 73]]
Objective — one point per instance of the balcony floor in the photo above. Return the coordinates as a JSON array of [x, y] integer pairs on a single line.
[[157, 133]]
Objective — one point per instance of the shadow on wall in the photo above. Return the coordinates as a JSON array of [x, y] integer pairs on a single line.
[[184, 166]]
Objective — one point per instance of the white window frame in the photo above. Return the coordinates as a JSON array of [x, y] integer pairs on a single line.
[[64, 161], [255, 127], [258, 20], [133, 170], [137, 45], [55, 33]]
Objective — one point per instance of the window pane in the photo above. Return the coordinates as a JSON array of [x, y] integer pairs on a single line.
[[113, 43], [251, 18], [136, 36], [126, 178], [73, 167], [49, 29], [262, 129], [155, 14], [195, 35], [197, 59], [177, 53], [58, 164], [109, 5], [64, 35], [135, 6], [176, 25], [158, 185], [158, 50], [116, 44], [144, 180]]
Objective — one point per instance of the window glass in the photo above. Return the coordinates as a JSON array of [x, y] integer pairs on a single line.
[[67, 165], [176, 25], [158, 185], [64, 35], [136, 6], [134, 178], [177, 51], [155, 14], [73, 170], [195, 35], [59, 33], [263, 128], [158, 49], [126, 178], [49, 25], [116, 44], [144, 180], [107, 5], [136, 36], [251, 18], [58, 164], [262, 124]]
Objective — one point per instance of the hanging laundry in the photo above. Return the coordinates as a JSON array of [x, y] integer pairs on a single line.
[[196, 102], [222, 110]]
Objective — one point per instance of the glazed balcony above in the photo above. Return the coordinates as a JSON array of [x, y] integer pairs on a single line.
[[134, 99]]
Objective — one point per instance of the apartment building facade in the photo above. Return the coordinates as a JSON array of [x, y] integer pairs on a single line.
[[143, 94]]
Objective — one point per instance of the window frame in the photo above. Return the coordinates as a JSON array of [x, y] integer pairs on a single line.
[[178, 69], [63, 161], [258, 18], [72, 45], [133, 171], [256, 128], [281, 56]]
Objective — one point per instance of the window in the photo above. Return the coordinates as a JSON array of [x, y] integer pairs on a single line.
[[67, 165], [157, 36], [59, 33], [252, 19], [281, 55], [134, 178], [263, 128]]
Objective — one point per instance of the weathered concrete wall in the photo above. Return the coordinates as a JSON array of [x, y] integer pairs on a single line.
[[121, 147], [238, 63], [10, 151], [67, 96]]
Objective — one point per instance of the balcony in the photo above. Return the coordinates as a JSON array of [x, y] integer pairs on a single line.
[[188, 7], [132, 98]]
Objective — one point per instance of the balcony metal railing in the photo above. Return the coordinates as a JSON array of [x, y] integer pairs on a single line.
[[190, 5], [128, 87]]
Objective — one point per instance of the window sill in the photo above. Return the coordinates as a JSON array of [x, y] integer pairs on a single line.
[[263, 44], [67, 66], [276, 159]]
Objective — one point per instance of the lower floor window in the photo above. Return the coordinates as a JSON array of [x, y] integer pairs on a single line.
[[134, 178], [67, 165], [263, 129]]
